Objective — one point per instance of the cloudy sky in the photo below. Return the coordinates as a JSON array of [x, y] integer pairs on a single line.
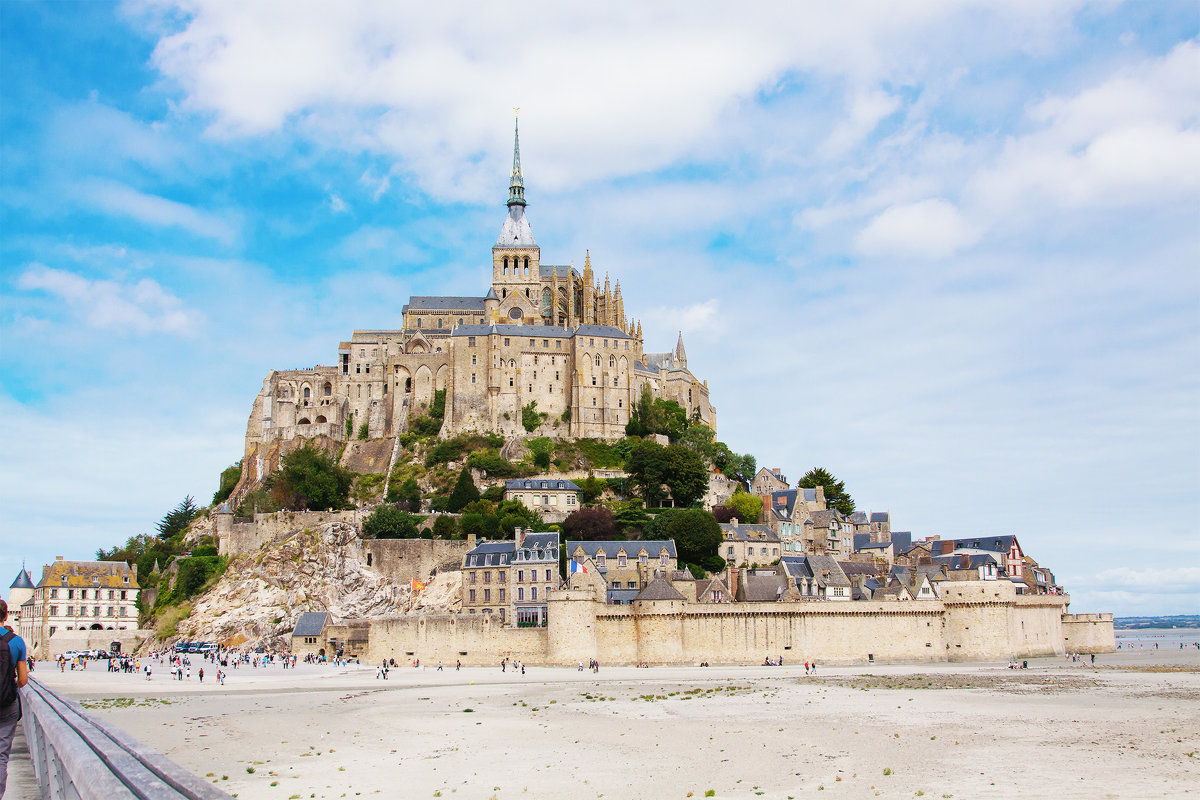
[[946, 249]]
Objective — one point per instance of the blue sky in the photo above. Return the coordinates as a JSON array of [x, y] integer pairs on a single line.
[[947, 250]]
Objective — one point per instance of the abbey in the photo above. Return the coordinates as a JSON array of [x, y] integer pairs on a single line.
[[544, 339]]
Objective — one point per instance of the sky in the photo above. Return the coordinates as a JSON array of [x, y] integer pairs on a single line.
[[947, 250]]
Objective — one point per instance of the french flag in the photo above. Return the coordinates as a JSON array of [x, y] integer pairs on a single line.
[[577, 567]]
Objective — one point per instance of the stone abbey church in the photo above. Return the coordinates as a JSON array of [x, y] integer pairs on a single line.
[[541, 333]]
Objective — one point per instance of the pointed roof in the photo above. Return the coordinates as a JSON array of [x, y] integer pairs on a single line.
[[23, 580], [659, 589], [516, 183], [680, 353], [491, 295], [516, 231]]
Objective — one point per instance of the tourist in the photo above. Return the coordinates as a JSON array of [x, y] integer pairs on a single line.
[[201, 675], [14, 675]]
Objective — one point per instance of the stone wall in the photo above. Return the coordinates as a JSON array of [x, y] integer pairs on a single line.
[[1089, 633], [401, 560], [64, 640], [243, 538], [977, 624]]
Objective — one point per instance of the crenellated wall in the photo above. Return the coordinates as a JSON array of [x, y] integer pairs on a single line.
[[975, 622], [1089, 633]]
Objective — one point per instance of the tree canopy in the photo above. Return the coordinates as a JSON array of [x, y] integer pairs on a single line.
[[465, 492], [229, 478], [310, 479], [591, 524], [836, 495], [175, 521], [389, 522], [697, 538]]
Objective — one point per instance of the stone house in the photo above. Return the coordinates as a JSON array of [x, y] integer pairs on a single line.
[[767, 481], [713, 590], [817, 577], [625, 568], [746, 545], [513, 578], [308, 637], [831, 532], [80, 595], [553, 498], [786, 513]]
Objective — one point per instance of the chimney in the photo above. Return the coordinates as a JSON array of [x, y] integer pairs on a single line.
[[133, 566], [519, 532], [58, 558], [470, 541], [733, 583], [776, 471]]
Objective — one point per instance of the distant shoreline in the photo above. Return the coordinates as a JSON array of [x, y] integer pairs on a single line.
[[1166, 623]]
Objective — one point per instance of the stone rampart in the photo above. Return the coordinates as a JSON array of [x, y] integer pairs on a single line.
[[981, 623], [480, 639], [63, 640], [1089, 633], [246, 537], [401, 560]]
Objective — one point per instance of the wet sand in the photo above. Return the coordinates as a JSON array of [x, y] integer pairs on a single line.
[[1129, 728]]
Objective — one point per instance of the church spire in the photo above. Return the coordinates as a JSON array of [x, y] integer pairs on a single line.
[[516, 184]]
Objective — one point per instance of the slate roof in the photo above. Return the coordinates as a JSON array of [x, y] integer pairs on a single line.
[[654, 547], [88, 574], [23, 580], [796, 566], [879, 516], [857, 568], [995, 544], [310, 623], [875, 546], [704, 586], [901, 540], [431, 303], [538, 331], [549, 270], [540, 484], [491, 554], [515, 232], [826, 570], [823, 519], [659, 589], [539, 541], [746, 532], [861, 540], [602, 330], [763, 588]]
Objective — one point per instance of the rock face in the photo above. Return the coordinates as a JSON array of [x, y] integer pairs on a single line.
[[257, 600]]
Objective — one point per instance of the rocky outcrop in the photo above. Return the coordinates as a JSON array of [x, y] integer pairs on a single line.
[[257, 600]]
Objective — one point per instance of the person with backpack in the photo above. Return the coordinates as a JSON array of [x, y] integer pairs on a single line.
[[14, 673]]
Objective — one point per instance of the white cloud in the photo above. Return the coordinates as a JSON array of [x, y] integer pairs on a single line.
[[700, 321], [141, 307], [337, 205], [120, 199], [615, 93], [930, 228]]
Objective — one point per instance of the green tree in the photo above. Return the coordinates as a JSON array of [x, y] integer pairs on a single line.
[[541, 447], [590, 489], [310, 479], [472, 524], [229, 479], [437, 409], [175, 522], [746, 507], [364, 431], [630, 517], [407, 492], [836, 495], [445, 527], [686, 475], [465, 491], [389, 522], [530, 418], [697, 536], [647, 468]]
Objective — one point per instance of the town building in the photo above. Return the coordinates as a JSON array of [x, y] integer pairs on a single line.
[[20, 591], [625, 568], [553, 498], [745, 545], [79, 596], [513, 578]]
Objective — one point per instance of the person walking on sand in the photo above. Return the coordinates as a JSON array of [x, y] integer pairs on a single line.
[[202, 674]]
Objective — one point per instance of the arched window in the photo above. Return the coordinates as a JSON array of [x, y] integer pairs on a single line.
[[328, 389], [612, 361], [439, 322], [418, 322], [408, 384], [597, 361], [321, 420], [504, 292], [307, 393], [526, 265]]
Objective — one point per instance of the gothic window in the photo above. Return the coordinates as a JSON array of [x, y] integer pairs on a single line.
[[439, 322], [612, 361], [307, 393], [597, 361], [526, 265], [328, 389], [418, 322]]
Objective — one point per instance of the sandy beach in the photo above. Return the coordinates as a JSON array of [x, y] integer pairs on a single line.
[[1129, 728]]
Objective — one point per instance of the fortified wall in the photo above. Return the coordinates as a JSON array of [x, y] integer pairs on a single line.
[[1089, 633], [971, 623], [246, 535]]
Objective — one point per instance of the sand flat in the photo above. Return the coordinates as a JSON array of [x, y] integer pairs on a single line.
[[1127, 729]]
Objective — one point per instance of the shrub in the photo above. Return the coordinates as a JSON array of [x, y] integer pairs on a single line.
[[406, 492], [591, 524], [445, 528], [310, 479], [530, 418], [364, 431], [229, 479], [437, 409], [490, 462], [349, 426], [389, 522], [425, 426], [465, 491]]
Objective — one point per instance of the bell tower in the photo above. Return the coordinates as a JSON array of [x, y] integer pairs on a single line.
[[516, 257]]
